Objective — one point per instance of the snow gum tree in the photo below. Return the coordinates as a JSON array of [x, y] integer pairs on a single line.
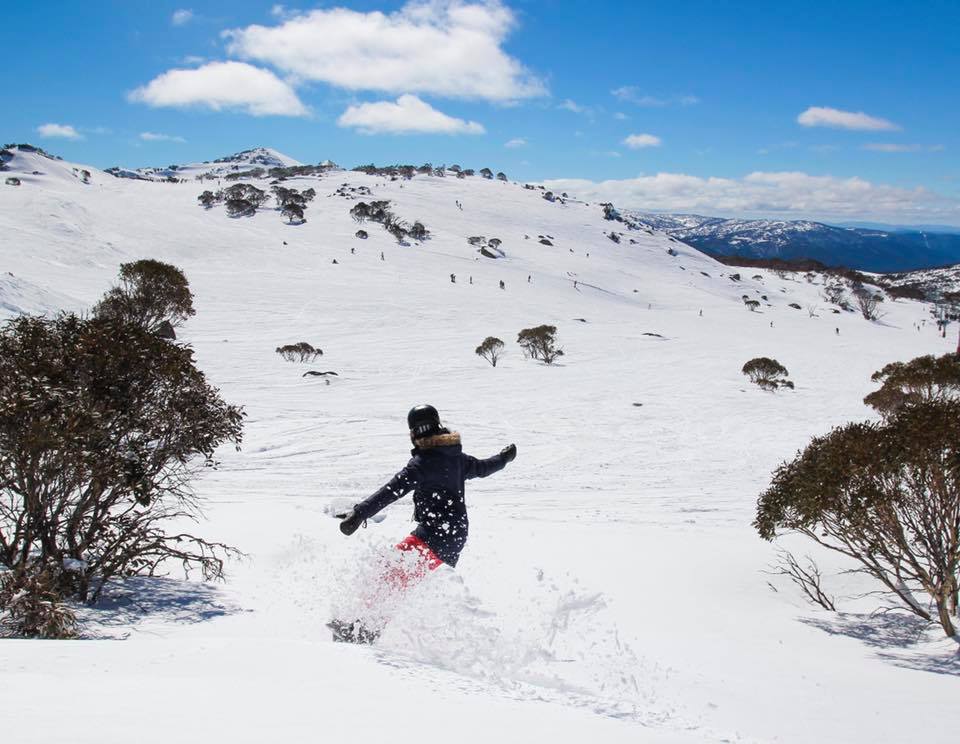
[[103, 426], [149, 293], [886, 494], [926, 378], [540, 343], [767, 373], [491, 349]]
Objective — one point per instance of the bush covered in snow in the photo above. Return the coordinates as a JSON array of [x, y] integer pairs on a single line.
[[31, 606]]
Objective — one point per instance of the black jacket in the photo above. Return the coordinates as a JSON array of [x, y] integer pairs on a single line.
[[436, 474]]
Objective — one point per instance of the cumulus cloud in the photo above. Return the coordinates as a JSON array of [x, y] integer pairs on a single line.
[[896, 147], [823, 116], [638, 141], [516, 142], [64, 131], [181, 17], [442, 47], [787, 195], [407, 115], [155, 137], [632, 94], [222, 85]]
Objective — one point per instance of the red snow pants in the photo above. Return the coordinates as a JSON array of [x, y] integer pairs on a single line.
[[405, 575]]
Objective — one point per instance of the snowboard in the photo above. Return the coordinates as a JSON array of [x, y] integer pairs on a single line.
[[352, 632]]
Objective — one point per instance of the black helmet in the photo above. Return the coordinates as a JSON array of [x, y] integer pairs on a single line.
[[423, 420]]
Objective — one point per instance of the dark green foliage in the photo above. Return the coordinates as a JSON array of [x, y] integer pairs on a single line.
[[299, 352], [150, 292], [293, 212], [418, 231], [240, 208], [491, 349], [246, 192], [207, 199], [767, 373], [540, 343], [926, 378], [886, 495], [103, 426]]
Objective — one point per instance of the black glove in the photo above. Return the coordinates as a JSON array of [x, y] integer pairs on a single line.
[[509, 453], [349, 522]]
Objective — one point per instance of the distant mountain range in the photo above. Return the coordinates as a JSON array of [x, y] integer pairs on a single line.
[[863, 248]]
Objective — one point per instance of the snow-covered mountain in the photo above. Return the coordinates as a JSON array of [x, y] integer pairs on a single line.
[[861, 248], [613, 589], [257, 158]]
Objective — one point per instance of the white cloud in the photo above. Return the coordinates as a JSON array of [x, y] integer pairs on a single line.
[[822, 116], [222, 85], [155, 137], [632, 94], [787, 195], [65, 131], [408, 115], [637, 141], [573, 106], [442, 47], [516, 142], [895, 147], [181, 17], [620, 116]]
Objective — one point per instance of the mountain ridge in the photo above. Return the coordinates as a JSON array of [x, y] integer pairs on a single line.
[[862, 248]]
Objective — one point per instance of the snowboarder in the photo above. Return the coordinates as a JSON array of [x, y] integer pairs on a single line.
[[502, 284], [436, 474]]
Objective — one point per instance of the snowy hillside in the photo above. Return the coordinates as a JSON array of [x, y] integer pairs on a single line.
[[868, 249], [613, 589], [258, 157]]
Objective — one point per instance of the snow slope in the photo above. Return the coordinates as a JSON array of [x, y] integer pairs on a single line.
[[612, 590], [257, 157]]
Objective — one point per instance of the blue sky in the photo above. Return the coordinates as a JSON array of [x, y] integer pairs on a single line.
[[792, 109]]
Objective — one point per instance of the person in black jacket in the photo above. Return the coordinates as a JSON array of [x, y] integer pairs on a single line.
[[436, 474]]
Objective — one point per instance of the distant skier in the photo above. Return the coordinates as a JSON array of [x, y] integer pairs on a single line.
[[502, 284], [436, 474]]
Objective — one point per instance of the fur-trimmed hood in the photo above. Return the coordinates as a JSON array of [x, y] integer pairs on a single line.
[[446, 439]]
